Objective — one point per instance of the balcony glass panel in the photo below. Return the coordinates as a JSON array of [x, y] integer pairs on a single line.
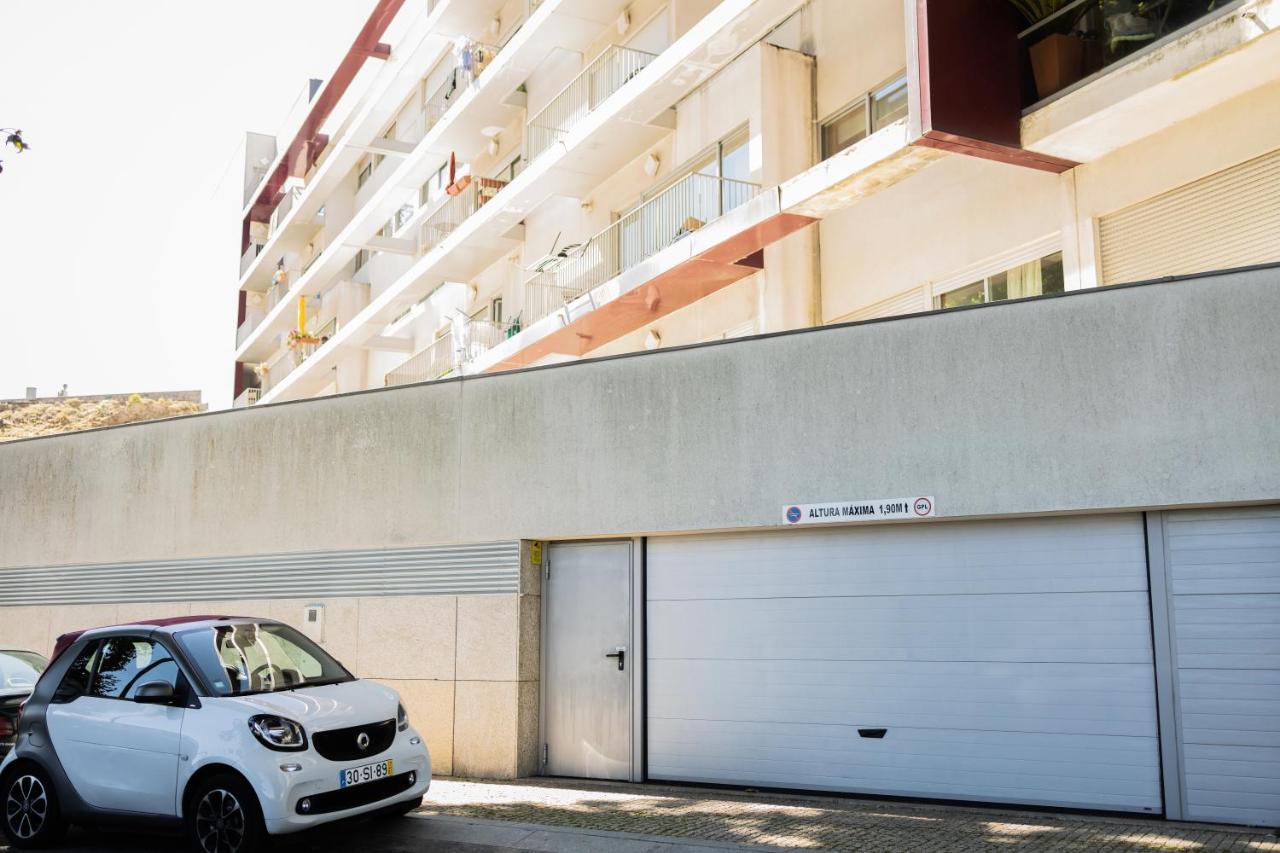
[[606, 74], [1085, 37]]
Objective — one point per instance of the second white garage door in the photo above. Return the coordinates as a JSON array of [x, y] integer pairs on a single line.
[[1001, 661]]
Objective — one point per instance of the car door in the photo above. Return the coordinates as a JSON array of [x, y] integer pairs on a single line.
[[118, 753]]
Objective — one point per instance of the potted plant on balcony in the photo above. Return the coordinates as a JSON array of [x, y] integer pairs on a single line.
[[1057, 58]]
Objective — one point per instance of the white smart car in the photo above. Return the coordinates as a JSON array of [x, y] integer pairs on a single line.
[[236, 728]]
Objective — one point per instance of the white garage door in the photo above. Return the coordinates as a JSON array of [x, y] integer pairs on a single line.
[[1224, 578], [1002, 661]]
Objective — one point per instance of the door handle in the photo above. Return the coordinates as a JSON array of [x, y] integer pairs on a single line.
[[619, 652]]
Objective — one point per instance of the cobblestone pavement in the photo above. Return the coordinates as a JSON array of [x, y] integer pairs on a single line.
[[822, 823]]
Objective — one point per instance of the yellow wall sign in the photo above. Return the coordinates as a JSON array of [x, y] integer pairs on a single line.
[[535, 552]]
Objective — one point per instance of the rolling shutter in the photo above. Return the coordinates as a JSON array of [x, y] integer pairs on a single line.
[[1224, 581], [1228, 219], [1005, 661], [908, 302]]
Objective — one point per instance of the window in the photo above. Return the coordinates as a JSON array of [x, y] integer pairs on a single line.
[[259, 658], [888, 104], [508, 172], [126, 663], [495, 310], [76, 680], [434, 186], [362, 258], [876, 109], [1034, 278], [845, 129], [20, 670], [403, 215], [366, 171]]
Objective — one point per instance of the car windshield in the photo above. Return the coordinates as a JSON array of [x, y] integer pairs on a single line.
[[19, 671], [246, 658]]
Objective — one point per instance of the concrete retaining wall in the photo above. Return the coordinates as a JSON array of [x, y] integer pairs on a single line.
[[1150, 396]]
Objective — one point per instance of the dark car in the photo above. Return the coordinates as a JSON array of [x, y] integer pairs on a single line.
[[19, 672]]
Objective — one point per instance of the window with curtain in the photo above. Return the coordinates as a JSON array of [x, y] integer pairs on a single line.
[[1034, 278]]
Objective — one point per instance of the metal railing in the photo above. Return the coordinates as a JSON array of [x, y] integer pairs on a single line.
[[1082, 38], [672, 214], [435, 362], [455, 210], [291, 359], [606, 74], [247, 397], [461, 78]]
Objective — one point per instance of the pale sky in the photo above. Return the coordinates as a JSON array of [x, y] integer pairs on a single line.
[[119, 233]]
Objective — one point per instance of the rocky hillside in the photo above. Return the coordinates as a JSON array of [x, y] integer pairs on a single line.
[[22, 419]]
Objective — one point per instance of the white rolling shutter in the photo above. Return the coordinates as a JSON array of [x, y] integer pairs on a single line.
[[908, 302], [1006, 661], [1228, 219], [1224, 581]]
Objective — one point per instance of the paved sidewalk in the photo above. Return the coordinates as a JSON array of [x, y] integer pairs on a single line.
[[792, 822]]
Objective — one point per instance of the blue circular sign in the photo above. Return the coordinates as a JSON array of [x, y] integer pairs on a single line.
[[793, 514]]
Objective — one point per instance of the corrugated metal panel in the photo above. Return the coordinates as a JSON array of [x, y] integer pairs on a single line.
[[426, 570], [1008, 661], [1224, 577], [1228, 219], [908, 302]]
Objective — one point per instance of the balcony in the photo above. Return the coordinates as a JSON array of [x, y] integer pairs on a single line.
[[435, 362], [1106, 82], [474, 60], [292, 357], [1081, 41], [606, 74], [246, 260], [247, 398], [451, 352], [456, 209], [685, 206]]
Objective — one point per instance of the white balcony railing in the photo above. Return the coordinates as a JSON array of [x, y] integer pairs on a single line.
[[676, 212], [290, 359], [435, 362], [606, 74], [455, 210], [247, 397]]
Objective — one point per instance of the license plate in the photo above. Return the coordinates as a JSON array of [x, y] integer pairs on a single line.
[[364, 773]]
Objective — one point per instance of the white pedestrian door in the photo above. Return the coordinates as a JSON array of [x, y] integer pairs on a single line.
[[587, 661], [1224, 587], [1006, 661]]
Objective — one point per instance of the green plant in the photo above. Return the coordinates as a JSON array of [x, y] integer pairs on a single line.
[[1037, 10]]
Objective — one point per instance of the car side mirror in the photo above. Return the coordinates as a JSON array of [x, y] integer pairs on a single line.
[[154, 693]]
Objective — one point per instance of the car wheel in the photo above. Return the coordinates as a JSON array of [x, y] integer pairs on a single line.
[[29, 807], [224, 817]]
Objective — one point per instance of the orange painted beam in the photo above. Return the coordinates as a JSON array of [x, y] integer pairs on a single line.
[[696, 278]]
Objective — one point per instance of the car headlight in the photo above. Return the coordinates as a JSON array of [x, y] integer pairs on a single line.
[[278, 733], [402, 718]]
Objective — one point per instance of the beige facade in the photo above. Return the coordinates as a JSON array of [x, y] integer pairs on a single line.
[[466, 666]]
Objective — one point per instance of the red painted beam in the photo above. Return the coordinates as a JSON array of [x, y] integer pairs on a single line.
[[720, 266], [970, 81], [309, 142]]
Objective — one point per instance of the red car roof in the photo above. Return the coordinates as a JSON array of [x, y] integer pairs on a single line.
[[70, 637]]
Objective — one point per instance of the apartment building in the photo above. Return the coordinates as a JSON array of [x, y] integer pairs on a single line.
[[894, 526], [486, 185]]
